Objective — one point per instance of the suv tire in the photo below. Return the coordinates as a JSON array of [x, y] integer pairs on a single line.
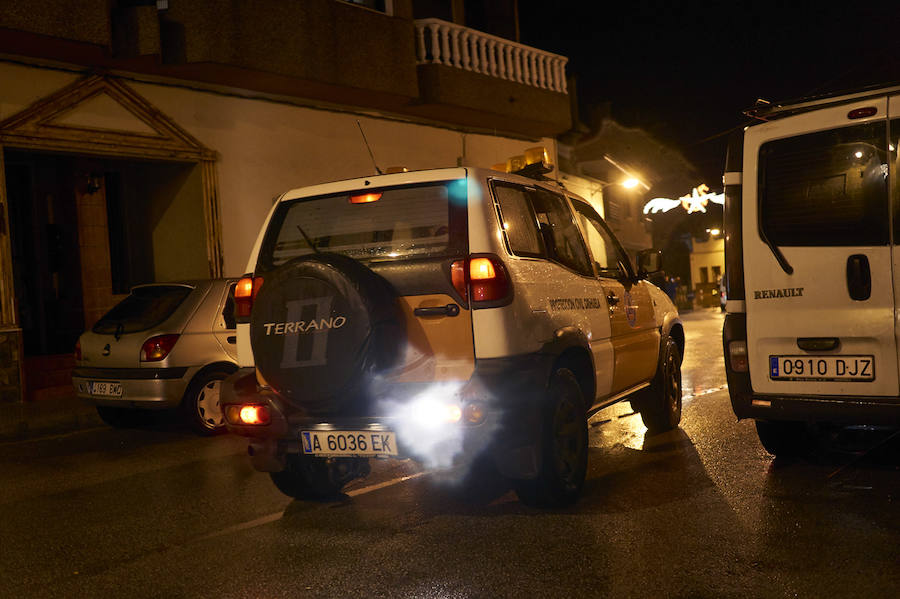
[[564, 446], [306, 477], [661, 406], [322, 326]]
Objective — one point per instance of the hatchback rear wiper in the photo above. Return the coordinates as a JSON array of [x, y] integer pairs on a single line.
[[779, 257]]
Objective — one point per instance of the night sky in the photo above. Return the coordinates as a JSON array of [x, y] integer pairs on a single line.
[[685, 73]]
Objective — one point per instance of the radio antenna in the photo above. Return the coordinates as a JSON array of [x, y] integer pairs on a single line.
[[366, 141]]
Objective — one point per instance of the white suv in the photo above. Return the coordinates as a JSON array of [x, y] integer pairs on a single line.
[[456, 316]]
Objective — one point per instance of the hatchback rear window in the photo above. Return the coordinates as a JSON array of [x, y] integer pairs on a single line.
[[144, 308], [369, 224]]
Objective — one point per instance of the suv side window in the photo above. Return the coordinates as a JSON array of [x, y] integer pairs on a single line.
[[560, 235], [609, 259], [518, 221]]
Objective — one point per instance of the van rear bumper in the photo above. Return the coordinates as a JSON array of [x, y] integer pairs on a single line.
[[837, 410], [843, 409]]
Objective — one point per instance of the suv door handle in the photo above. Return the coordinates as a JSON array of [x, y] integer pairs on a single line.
[[612, 299], [859, 277], [448, 310]]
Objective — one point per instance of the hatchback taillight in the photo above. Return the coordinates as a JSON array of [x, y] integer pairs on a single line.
[[244, 294], [483, 279], [157, 348], [78, 350]]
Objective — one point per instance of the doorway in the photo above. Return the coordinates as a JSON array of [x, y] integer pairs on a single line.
[[83, 231]]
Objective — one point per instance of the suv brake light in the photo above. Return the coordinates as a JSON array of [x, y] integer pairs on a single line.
[[157, 348], [481, 279], [244, 294]]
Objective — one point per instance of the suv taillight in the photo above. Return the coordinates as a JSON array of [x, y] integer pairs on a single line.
[[244, 294], [157, 348], [483, 279]]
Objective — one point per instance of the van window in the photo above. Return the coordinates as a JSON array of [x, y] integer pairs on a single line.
[[828, 188], [518, 220]]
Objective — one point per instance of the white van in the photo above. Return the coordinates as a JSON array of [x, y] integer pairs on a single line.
[[813, 276]]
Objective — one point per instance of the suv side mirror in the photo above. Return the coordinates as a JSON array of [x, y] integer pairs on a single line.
[[649, 262]]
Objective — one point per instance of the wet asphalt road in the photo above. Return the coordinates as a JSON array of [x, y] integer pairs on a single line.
[[701, 511]]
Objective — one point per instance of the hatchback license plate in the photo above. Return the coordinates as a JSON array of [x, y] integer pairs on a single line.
[[822, 368], [349, 443], [105, 388]]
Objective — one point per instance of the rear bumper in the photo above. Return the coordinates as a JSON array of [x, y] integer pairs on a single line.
[[144, 388], [833, 409], [509, 390]]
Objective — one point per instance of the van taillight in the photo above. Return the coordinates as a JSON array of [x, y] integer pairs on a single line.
[[484, 276], [244, 294], [157, 348]]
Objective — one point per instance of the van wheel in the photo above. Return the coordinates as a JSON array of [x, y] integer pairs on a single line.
[[564, 446], [121, 417], [782, 438], [661, 408], [201, 406]]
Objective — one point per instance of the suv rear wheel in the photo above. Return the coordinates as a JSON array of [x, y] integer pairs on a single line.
[[564, 446], [306, 477]]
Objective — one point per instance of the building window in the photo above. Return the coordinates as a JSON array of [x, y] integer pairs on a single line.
[[717, 272], [704, 274], [385, 6]]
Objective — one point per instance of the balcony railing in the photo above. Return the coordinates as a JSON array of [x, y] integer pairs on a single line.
[[440, 42]]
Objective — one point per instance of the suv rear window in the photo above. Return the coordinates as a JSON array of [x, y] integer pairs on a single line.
[[403, 222], [144, 308], [826, 189]]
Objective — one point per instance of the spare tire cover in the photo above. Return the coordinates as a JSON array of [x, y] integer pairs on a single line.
[[321, 326]]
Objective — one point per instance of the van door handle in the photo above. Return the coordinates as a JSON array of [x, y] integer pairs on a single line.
[[859, 277], [448, 310], [612, 299], [231, 339]]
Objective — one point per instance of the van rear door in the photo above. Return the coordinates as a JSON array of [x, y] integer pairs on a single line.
[[818, 255]]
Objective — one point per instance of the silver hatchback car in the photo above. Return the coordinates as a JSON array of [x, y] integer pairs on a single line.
[[166, 345]]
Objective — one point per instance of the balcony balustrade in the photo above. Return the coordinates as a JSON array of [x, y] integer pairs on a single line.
[[448, 44]]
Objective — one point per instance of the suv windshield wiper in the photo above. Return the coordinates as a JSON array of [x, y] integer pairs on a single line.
[[779, 257]]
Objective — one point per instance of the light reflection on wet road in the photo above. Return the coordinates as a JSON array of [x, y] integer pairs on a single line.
[[701, 511]]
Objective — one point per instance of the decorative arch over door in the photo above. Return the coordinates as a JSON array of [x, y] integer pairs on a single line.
[[133, 128]]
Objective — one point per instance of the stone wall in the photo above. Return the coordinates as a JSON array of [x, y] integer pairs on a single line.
[[10, 366]]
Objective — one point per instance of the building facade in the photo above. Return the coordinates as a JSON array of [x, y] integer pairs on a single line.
[[145, 141]]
